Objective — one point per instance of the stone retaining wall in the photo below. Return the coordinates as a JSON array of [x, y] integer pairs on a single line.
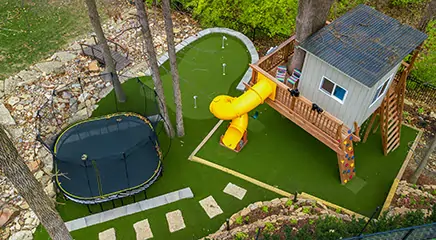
[[288, 212]]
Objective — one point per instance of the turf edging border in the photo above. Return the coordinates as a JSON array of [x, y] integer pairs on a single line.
[[397, 179]]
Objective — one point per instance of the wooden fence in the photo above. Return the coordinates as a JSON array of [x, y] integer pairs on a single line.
[[420, 91]]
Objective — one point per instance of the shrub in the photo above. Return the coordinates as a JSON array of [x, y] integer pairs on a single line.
[[432, 217], [329, 228], [269, 228], [412, 218], [275, 17], [290, 202], [304, 233], [241, 236], [306, 210], [425, 66], [405, 2], [288, 232], [265, 209], [238, 220]]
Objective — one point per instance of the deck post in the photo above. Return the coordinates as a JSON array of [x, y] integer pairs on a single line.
[[293, 100]]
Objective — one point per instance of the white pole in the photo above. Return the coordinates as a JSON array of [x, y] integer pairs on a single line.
[[224, 38], [224, 69], [195, 101]]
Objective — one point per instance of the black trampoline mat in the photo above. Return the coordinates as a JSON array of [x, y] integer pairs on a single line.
[[119, 151]]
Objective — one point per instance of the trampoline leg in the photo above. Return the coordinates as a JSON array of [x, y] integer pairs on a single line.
[[122, 203], [134, 198], [89, 209], [113, 203], [101, 207], [145, 194]]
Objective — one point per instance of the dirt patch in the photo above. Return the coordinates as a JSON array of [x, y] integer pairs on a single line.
[[424, 179]]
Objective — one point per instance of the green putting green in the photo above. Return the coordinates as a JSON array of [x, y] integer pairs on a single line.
[[282, 154]]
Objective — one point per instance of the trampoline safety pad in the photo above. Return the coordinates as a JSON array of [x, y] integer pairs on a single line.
[[106, 158]]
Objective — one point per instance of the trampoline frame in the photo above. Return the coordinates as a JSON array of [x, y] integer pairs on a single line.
[[114, 195]]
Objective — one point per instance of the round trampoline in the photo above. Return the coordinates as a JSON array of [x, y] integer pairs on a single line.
[[105, 158]]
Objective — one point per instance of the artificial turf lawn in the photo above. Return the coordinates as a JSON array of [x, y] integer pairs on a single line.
[[178, 171], [282, 154]]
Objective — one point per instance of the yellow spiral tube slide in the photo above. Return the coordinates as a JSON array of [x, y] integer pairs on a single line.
[[236, 108]]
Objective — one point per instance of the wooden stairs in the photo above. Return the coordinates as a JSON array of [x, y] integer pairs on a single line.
[[391, 114]]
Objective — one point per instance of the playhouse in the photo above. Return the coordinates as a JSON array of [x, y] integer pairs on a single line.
[[353, 69]]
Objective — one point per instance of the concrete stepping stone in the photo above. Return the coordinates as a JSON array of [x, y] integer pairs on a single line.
[[210, 207], [175, 221], [235, 191], [107, 235], [143, 230]]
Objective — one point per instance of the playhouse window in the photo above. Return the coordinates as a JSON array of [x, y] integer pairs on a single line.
[[381, 91], [333, 90]]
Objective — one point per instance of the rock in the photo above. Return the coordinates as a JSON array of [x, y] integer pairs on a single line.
[[75, 47], [33, 165], [23, 235], [407, 102], [47, 159], [398, 211], [5, 233], [275, 202], [433, 115], [15, 132], [93, 66], [2, 88], [24, 205], [63, 57], [83, 97], [50, 190], [6, 214], [80, 115], [13, 100], [245, 211], [5, 116], [252, 207], [38, 175], [28, 77], [19, 107], [9, 84], [49, 67]]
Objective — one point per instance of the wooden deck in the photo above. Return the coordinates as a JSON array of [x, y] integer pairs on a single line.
[[324, 126]]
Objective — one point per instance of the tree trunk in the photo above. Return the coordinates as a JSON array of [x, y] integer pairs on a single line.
[[423, 163], [166, 9], [13, 166], [108, 60], [312, 15], [152, 61], [428, 16]]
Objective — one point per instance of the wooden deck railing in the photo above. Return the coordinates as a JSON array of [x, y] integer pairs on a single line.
[[324, 126], [283, 52]]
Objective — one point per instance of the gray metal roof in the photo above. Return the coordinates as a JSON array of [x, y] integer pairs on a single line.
[[364, 44]]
